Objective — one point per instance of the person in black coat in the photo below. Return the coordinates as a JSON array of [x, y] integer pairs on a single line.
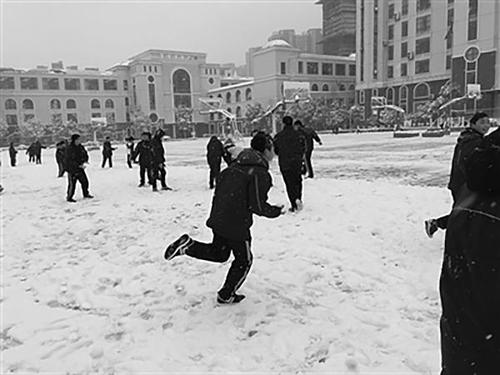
[[468, 140], [470, 275], [107, 153], [289, 145], [144, 152], [158, 167], [241, 191], [130, 150], [60, 156], [37, 151], [310, 136], [75, 159], [12, 154], [215, 152]]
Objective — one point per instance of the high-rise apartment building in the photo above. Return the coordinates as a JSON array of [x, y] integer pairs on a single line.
[[406, 50], [339, 27]]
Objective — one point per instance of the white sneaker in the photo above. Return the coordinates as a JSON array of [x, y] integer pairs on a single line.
[[299, 204]]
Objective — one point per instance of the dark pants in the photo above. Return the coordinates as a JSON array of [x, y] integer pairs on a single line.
[[78, 175], [129, 160], [12, 161], [159, 173], [309, 167], [218, 251], [60, 166], [293, 183], [214, 174], [38, 159], [142, 174], [31, 158], [107, 158]]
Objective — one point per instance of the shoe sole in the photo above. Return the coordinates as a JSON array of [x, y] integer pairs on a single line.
[[183, 246], [230, 301]]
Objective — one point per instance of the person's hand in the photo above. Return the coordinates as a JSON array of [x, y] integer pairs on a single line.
[[321, 143], [282, 209]]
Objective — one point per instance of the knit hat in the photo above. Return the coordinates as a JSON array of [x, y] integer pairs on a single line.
[[261, 141], [74, 137]]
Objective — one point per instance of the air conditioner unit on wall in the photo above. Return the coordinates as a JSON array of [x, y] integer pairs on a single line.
[[411, 55]]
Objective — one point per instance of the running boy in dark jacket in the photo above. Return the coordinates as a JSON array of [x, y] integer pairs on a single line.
[[76, 157], [60, 156], [310, 136], [144, 151], [107, 153], [215, 152], [241, 192], [159, 172]]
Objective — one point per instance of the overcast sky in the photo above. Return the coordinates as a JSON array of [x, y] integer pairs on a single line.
[[102, 33]]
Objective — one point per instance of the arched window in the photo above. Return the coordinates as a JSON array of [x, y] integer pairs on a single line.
[[341, 87], [422, 91], [352, 88], [228, 97], [10, 104], [390, 95], [248, 94], [109, 104], [238, 96], [374, 92], [28, 104], [55, 104], [403, 93], [181, 82], [314, 87], [70, 104], [325, 87], [238, 111], [95, 104]]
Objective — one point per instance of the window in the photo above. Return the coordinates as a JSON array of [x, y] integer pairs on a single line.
[[28, 104], [126, 102], [362, 97], [341, 87], [50, 83], [404, 69], [55, 104], [248, 94], [448, 62], [29, 83], [422, 91], [228, 98], [91, 84], [110, 84], [95, 104], [283, 68], [390, 71], [422, 66], [72, 118], [300, 67], [109, 104], [374, 92], [125, 85], [390, 95], [314, 87], [71, 84], [404, 29], [404, 49], [7, 83], [472, 25], [145, 69], [423, 24], [390, 53], [340, 69], [70, 104], [182, 88], [152, 96], [28, 117], [10, 104], [351, 88], [156, 69], [403, 93], [422, 46], [110, 118], [423, 5], [11, 119], [352, 70], [238, 96], [327, 69], [238, 111], [95, 115], [404, 7], [312, 68], [391, 11], [325, 88], [390, 35]]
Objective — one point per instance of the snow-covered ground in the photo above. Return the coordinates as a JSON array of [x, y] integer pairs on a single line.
[[349, 285]]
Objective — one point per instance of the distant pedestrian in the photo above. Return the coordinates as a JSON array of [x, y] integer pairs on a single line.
[[215, 151], [37, 150], [159, 171], [242, 190], [144, 152], [289, 145], [107, 153], [310, 136], [60, 157], [470, 276], [30, 151], [130, 150], [12, 154], [468, 140], [76, 158]]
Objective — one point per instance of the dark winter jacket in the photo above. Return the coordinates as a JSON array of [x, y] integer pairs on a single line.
[[37, 148], [215, 151], [144, 151], [470, 277], [12, 152], [76, 155], [468, 140], [30, 150], [60, 154], [158, 150], [289, 145], [310, 136], [107, 149], [241, 191]]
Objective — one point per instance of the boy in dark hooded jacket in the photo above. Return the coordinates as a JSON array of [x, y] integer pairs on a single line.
[[144, 151], [60, 156], [75, 159], [12, 154], [159, 171], [215, 152], [241, 192]]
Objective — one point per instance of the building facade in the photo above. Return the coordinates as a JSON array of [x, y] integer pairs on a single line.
[[339, 27], [308, 41], [407, 50]]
